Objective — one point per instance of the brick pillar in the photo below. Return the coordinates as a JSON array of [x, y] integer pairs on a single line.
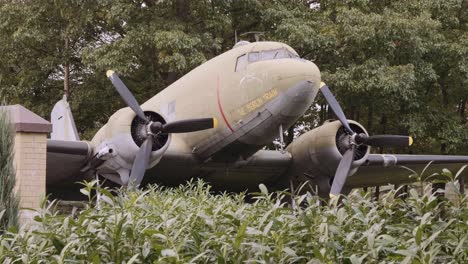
[[30, 158]]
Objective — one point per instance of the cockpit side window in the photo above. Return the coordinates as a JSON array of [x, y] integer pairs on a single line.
[[270, 54], [292, 55], [254, 56], [241, 62], [282, 54], [278, 54]]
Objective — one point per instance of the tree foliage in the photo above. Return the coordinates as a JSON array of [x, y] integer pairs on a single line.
[[396, 66], [9, 203]]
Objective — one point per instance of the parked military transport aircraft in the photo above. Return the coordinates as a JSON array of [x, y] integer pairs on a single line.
[[214, 122]]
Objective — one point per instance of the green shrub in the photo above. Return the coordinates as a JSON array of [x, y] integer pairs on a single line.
[[8, 201], [190, 224]]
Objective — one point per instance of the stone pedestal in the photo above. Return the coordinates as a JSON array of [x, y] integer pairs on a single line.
[[30, 158]]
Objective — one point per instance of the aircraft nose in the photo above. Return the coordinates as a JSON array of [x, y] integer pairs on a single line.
[[301, 69], [291, 72], [300, 82]]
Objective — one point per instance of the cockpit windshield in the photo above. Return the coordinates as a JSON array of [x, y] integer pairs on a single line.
[[278, 54], [244, 60]]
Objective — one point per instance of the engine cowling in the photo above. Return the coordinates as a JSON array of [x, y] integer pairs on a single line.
[[317, 153], [124, 134]]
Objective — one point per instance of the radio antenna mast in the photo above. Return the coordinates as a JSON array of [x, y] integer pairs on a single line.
[[256, 34]]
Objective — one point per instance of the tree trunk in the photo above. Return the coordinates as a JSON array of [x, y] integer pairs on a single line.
[[443, 89], [376, 193], [463, 120], [171, 77], [436, 186], [463, 110], [352, 112], [370, 114], [182, 8], [383, 124], [462, 184], [149, 3], [383, 121], [330, 114], [323, 113], [290, 137]]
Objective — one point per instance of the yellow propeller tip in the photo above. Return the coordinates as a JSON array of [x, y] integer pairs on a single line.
[[109, 73], [410, 141], [215, 122], [322, 84]]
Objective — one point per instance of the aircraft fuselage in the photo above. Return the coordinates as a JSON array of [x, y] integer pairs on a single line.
[[251, 90]]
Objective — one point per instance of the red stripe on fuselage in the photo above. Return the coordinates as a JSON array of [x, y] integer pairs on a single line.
[[221, 107]]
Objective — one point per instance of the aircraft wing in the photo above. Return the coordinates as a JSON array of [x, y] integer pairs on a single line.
[[66, 158], [265, 166], [382, 169], [64, 161]]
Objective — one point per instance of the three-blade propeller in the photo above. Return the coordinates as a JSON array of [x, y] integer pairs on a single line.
[[153, 129], [346, 162]]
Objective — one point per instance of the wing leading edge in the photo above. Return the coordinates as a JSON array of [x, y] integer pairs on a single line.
[[382, 169]]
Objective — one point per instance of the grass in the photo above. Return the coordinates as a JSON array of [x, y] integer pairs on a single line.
[[189, 224]]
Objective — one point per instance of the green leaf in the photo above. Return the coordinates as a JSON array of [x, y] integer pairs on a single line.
[[85, 192], [96, 259], [133, 259], [240, 235], [418, 236], [58, 244], [289, 251], [355, 260], [263, 189]]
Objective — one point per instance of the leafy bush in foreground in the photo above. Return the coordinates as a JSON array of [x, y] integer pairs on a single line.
[[9, 203], [189, 224]]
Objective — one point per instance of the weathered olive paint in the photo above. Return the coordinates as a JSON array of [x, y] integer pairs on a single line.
[[316, 157], [250, 103], [215, 89]]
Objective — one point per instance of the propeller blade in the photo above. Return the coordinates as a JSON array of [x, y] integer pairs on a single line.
[[140, 162], [184, 126], [335, 106], [342, 172], [384, 140], [126, 95]]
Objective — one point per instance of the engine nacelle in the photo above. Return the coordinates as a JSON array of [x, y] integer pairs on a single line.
[[123, 135], [317, 153]]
